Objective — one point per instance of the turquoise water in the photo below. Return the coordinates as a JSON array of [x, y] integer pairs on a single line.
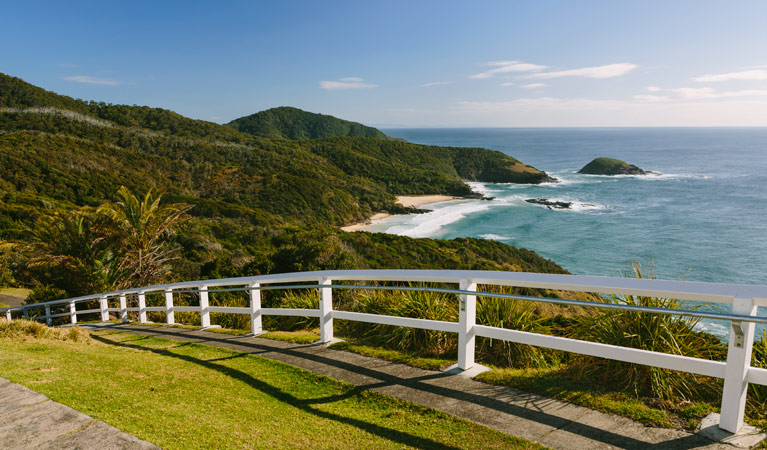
[[703, 218]]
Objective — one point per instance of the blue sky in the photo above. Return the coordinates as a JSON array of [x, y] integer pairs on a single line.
[[405, 63]]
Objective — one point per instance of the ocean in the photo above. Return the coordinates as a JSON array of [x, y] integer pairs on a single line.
[[701, 217]]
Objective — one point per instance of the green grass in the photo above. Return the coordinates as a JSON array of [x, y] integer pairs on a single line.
[[15, 292], [188, 396], [402, 357], [559, 384], [296, 337]]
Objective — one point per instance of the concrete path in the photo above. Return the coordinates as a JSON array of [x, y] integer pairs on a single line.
[[553, 423], [29, 420]]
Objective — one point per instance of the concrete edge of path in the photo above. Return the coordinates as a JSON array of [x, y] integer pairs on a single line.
[[29, 420]]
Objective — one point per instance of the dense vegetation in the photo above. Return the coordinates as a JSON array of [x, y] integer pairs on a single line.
[[292, 123], [257, 205], [610, 166]]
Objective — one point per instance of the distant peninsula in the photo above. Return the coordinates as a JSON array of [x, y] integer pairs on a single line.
[[611, 166]]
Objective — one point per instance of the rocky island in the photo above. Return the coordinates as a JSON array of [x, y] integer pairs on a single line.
[[611, 166]]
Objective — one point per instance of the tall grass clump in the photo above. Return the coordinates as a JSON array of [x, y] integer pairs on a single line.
[[654, 332], [414, 304], [757, 394], [20, 329], [230, 320], [303, 299], [515, 315]]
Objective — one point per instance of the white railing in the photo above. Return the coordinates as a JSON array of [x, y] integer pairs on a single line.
[[736, 371]]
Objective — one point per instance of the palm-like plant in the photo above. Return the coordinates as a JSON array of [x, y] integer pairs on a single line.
[[143, 227], [71, 249]]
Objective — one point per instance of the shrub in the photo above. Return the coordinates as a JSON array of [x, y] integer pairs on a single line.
[[757, 394], [304, 299], [415, 304], [515, 315], [654, 332], [45, 293]]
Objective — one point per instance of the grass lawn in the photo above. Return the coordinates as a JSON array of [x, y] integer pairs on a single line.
[[15, 292], [188, 396]]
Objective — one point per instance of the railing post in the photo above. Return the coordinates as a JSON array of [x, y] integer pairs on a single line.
[[204, 304], [8, 316], [256, 325], [170, 317], [103, 306], [26, 313], [123, 309], [326, 311], [141, 307], [738, 362], [467, 318], [48, 319], [72, 313]]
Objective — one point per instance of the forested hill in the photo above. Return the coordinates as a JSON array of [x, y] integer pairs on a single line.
[[259, 205], [292, 123]]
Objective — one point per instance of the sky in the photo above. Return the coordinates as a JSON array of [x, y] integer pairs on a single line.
[[405, 63]]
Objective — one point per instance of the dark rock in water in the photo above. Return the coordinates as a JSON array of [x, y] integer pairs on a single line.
[[610, 166], [550, 203], [488, 198]]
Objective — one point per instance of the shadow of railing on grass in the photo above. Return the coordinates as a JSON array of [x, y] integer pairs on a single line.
[[304, 405], [529, 411]]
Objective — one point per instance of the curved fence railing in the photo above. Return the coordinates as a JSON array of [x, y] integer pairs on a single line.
[[736, 370]]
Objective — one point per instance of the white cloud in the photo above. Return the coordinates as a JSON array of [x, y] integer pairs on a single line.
[[755, 74], [653, 89], [538, 103], [607, 71], [533, 85], [507, 67], [346, 83], [652, 98], [92, 80], [507, 84], [437, 83], [704, 93], [549, 111]]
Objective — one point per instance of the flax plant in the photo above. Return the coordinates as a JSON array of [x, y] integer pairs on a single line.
[[515, 315], [757, 394], [414, 304], [663, 333]]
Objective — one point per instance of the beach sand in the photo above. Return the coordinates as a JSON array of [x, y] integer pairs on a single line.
[[420, 200], [415, 201]]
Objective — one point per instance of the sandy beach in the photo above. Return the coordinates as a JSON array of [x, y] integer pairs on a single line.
[[415, 201], [420, 200]]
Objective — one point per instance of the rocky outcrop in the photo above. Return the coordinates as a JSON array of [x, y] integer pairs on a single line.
[[551, 204], [610, 166]]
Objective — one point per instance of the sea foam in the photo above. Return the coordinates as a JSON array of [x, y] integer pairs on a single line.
[[429, 224]]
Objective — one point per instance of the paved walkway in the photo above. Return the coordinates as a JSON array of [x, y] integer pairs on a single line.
[[553, 423], [29, 420]]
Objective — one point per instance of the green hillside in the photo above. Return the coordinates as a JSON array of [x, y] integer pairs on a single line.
[[259, 205], [292, 123]]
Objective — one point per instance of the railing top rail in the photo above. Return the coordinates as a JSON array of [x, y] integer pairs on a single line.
[[683, 290]]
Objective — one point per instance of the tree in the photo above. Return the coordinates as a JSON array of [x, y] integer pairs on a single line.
[[143, 228], [70, 250]]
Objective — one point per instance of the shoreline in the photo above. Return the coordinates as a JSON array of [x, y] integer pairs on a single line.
[[409, 201]]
